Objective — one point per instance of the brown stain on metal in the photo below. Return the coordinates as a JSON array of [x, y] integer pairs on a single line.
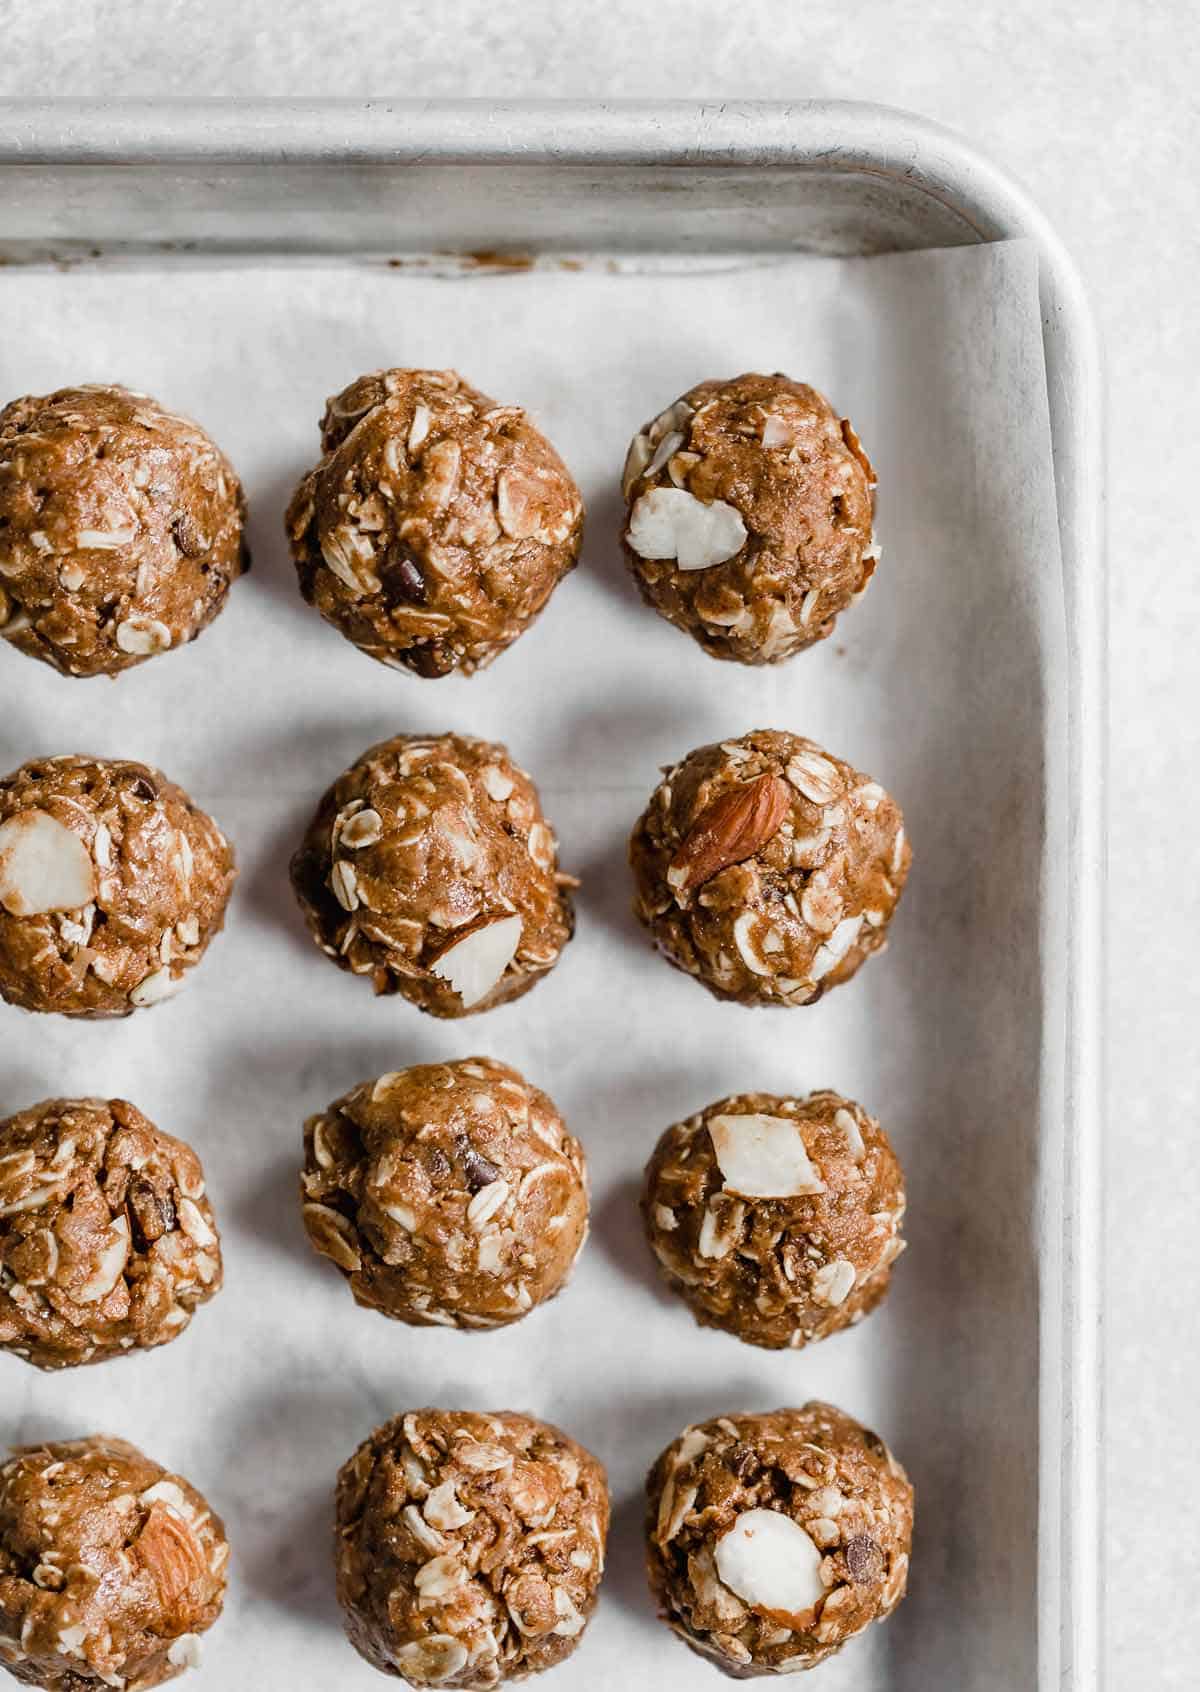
[[489, 260]]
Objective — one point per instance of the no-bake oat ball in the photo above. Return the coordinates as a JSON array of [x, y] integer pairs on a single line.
[[120, 529], [107, 1241], [447, 1194], [436, 525], [430, 867], [772, 1539], [112, 884], [111, 1567], [768, 868], [749, 520], [776, 1219], [469, 1547]]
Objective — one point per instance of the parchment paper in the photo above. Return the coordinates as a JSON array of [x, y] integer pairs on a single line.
[[944, 683]]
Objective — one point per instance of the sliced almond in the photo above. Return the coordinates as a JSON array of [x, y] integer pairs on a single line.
[[834, 1282], [832, 951], [43, 866], [771, 1563], [672, 523], [153, 988], [143, 636], [474, 964], [737, 824], [763, 1156]]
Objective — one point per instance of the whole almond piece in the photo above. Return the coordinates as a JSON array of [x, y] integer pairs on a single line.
[[734, 827], [167, 1547]]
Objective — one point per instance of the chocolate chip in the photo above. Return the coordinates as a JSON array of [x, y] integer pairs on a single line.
[[401, 578], [428, 659], [864, 1559], [152, 1214], [480, 1171], [186, 535], [873, 1443], [743, 1462]]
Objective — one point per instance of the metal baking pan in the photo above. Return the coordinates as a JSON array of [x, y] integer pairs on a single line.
[[503, 184]]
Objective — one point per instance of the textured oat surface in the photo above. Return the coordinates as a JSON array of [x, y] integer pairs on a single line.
[[425, 846], [447, 1194], [749, 512], [112, 884], [767, 868], [107, 1237], [834, 1479], [776, 1219], [436, 525], [111, 1567], [120, 529], [469, 1547]]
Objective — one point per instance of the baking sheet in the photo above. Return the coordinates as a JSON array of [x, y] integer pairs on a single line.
[[945, 683]]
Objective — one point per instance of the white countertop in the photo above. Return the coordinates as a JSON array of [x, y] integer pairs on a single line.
[[1095, 108]]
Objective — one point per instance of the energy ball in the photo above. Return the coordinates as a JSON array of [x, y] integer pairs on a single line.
[[110, 1567], [772, 1539], [436, 525], [107, 1241], [749, 520], [447, 1194], [120, 529], [469, 1547], [767, 868], [112, 884], [776, 1219], [430, 867]]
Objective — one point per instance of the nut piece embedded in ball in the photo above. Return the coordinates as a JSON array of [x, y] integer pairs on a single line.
[[107, 1240], [111, 1567], [768, 868], [469, 1547], [776, 1219], [121, 529], [112, 884], [447, 1194], [749, 516], [772, 1539], [430, 867], [436, 525]]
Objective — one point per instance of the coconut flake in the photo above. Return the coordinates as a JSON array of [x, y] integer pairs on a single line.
[[672, 523], [771, 1563], [474, 964], [43, 866], [763, 1156]]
